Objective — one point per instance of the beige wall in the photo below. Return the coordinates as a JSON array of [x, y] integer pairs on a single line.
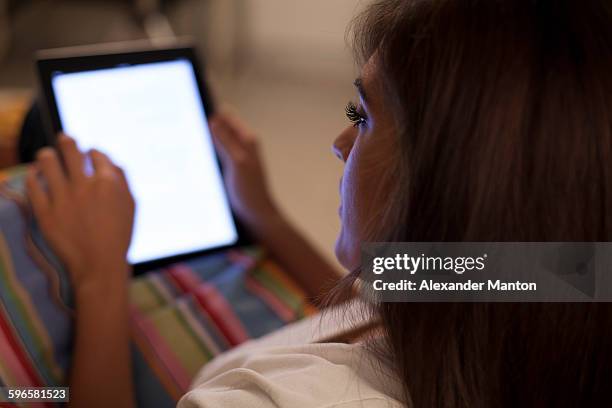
[[309, 34], [304, 38]]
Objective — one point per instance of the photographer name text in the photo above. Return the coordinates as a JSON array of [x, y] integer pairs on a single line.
[[469, 285]]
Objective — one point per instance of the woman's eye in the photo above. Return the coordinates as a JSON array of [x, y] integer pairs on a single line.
[[354, 115]]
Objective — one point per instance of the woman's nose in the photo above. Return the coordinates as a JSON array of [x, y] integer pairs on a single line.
[[344, 143]]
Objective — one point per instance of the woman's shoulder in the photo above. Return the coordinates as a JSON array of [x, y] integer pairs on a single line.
[[310, 375]]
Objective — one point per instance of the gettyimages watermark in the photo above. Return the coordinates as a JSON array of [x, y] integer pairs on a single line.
[[487, 272]]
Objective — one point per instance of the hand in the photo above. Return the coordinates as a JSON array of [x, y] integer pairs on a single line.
[[251, 200], [87, 219], [245, 178]]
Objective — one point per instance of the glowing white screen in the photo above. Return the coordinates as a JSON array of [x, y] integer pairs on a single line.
[[149, 120]]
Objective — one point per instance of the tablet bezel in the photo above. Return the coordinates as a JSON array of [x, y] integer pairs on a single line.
[[78, 59]]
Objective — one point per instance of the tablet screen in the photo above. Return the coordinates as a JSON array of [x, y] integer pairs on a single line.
[[149, 119]]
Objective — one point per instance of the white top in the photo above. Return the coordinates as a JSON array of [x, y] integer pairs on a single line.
[[284, 370]]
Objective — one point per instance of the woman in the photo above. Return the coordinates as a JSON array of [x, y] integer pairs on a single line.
[[476, 121]]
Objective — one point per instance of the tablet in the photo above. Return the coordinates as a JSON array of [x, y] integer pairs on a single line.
[[147, 110]]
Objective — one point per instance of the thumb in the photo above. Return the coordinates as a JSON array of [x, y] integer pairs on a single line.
[[219, 147], [227, 145]]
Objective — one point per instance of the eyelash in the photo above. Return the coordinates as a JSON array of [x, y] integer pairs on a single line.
[[354, 115]]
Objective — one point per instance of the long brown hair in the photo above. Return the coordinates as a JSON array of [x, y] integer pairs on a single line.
[[503, 111]]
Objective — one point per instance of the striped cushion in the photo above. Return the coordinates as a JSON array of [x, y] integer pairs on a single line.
[[182, 316]]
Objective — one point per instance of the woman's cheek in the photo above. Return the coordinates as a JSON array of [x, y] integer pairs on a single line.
[[365, 172], [372, 176], [348, 241]]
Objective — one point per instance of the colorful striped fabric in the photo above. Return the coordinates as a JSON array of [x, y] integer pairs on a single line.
[[182, 316]]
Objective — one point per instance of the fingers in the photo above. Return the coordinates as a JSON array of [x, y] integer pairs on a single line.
[[51, 169], [122, 179], [49, 166], [101, 163], [240, 130], [36, 194], [73, 158], [227, 143], [233, 138]]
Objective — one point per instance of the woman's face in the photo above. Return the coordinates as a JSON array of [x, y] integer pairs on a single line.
[[367, 147]]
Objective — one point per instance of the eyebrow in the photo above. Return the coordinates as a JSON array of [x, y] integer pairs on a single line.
[[359, 85]]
